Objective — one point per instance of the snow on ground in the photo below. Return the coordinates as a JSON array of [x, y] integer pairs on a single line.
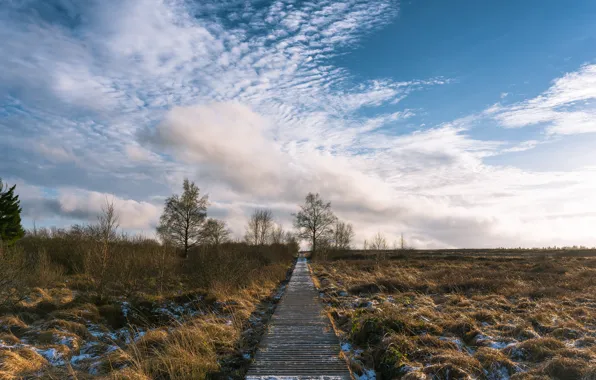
[[102, 339], [52, 355], [369, 374], [499, 373]]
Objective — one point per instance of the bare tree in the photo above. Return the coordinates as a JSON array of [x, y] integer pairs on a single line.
[[277, 235], [314, 221], [378, 242], [401, 244], [215, 232], [183, 216], [259, 227], [343, 233], [290, 238], [106, 229]]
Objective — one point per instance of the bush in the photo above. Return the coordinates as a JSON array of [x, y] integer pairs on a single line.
[[235, 265]]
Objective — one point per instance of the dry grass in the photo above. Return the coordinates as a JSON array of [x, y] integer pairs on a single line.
[[20, 362], [191, 351], [466, 316], [66, 322], [12, 324]]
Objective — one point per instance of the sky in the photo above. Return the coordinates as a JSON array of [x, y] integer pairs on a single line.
[[459, 124]]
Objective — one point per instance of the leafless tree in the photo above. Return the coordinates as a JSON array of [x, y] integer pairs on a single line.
[[107, 231], [343, 233], [402, 245], [314, 221], [259, 227], [277, 235], [378, 242], [215, 232], [290, 238], [183, 217]]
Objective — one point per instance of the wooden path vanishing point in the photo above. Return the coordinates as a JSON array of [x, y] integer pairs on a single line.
[[300, 342]]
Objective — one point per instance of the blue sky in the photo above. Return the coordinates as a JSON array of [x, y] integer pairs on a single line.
[[459, 124]]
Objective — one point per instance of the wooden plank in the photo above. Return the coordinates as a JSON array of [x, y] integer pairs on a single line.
[[300, 342]]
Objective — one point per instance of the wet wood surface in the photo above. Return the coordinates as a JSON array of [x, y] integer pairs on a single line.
[[300, 342]]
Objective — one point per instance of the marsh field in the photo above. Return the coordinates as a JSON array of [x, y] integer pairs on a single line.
[[74, 308], [464, 314]]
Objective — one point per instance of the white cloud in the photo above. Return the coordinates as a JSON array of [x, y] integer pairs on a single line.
[[228, 142], [54, 153], [132, 214], [431, 185], [567, 107], [258, 116], [85, 206], [137, 153], [523, 146]]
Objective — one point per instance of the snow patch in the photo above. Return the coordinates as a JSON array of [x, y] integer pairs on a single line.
[[77, 358], [125, 309], [52, 355], [369, 374], [67, 341], [501, 373]]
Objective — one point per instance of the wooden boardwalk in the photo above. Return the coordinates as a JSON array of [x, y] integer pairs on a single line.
[[300, 343]]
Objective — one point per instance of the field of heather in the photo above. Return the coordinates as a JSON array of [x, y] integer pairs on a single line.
[[464, 315]]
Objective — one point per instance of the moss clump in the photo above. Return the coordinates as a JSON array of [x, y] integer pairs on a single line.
[[392, 363], [370, 330]]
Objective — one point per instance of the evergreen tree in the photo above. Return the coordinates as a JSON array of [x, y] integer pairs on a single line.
[[10, 215]]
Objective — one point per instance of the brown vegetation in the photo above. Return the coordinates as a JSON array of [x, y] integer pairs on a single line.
[[474, 315], [76, 305]]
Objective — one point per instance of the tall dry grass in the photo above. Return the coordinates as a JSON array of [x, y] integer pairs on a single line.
[[131, 264], [50, 287]]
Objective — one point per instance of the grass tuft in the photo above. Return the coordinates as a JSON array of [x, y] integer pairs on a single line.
[[21, 362]]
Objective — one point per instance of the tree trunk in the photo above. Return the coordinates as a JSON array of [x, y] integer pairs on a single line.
[[186, 241]]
